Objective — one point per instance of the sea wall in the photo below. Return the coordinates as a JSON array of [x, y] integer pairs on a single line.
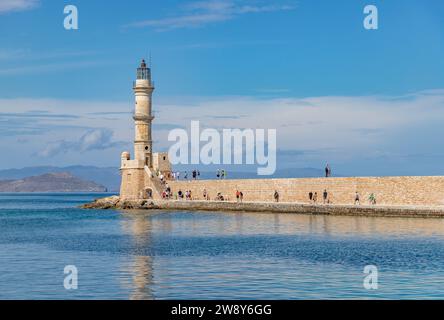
[[419, 191], [117, 203]]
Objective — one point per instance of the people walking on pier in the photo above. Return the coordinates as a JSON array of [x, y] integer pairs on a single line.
[[325, 196], [357, 198], [315, 197], [276, 196], [327, 171], [237, 195], [310, 196], [241, 196], [372, 199]]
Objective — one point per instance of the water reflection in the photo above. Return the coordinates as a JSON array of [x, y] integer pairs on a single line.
[[226, 224], [139, 227]]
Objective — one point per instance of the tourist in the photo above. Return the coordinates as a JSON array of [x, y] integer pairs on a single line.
[[185, 177], [241, 196], [315, 197], [325, 196], [198, 174], [310, 196], [218, 173], [204, 194], [191, 197], [372, 199], [327, 171], [223, 174], [237, 195], [178, 175], [180, 194], [276, 196], [194, 174], [357, 200]]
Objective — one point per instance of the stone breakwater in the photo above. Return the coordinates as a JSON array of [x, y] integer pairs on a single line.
[[267, 207]]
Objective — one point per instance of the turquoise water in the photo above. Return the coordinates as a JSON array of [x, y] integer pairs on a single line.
[[193, 255]]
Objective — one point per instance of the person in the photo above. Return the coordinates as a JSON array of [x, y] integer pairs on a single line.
[[315, 197], [327, 171], [218, 173], [180, 194], [237, 195], [357, 200], [198, 174], [224, 174], [325, 196], [185, 176], [276, 196], [204, 194], [241, 196], [310, 196], [194, 174], [372, 199]]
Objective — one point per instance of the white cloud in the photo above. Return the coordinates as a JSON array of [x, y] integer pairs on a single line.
[[331, 127], [17, 5], [95, 139], [200, 13]]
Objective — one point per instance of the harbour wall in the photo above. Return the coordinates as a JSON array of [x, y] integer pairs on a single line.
[[389, 191]]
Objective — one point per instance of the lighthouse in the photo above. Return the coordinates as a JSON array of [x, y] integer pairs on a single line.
[[143, 92], [140, 175]]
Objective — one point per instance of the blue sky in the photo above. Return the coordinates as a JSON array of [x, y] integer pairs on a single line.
[[368, 102]]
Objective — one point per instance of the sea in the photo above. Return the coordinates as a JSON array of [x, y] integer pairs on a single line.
[[52, 249]]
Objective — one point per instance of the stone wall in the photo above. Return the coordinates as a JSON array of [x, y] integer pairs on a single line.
[[422, 191]]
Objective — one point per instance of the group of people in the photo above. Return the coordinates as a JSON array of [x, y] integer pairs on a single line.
[[371, 199], [313, 197], [221, 174], [195, 174], [167, 194], [239, 196], [187, 195], [327, 171]]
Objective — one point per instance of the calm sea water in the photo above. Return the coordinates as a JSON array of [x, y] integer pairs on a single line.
[[194, 255]]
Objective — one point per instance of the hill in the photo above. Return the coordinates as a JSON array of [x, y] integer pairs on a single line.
[[51, 182]]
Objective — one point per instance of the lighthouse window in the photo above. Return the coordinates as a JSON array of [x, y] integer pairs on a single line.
[[146, 148], [164, 158]]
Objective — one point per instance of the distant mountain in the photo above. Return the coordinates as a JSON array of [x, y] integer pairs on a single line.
[[108, 176], [51, 182]]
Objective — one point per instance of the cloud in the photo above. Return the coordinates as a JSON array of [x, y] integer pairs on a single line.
[[200, 13], [17, 5], [97, 139]]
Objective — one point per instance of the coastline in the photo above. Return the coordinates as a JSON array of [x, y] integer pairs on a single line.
[[408, 211]]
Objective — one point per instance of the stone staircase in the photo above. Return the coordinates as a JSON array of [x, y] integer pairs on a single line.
[[155, 183]]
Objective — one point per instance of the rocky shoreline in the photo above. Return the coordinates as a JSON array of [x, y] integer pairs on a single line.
[[116, 203]]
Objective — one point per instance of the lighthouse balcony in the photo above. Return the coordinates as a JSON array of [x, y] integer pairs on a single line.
[[142, 117]]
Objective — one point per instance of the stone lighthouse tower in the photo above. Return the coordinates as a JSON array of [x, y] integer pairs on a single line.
[[137, 172], [140, 175], [143, 91]]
